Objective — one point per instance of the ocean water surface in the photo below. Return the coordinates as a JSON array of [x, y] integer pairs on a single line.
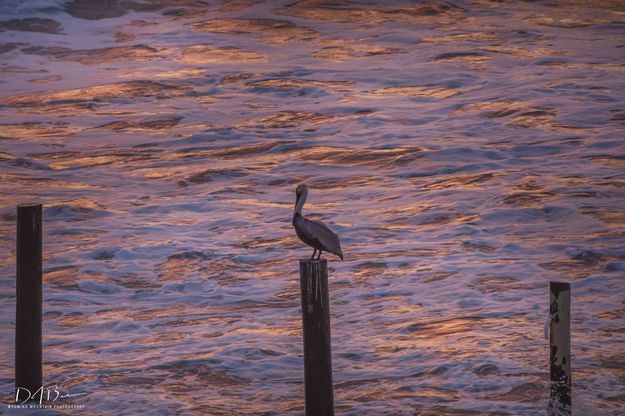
[[466, 152]]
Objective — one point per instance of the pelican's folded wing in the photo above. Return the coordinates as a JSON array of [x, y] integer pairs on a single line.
[[326, 237]]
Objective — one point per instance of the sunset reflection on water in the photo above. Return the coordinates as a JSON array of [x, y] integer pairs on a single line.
[[466, 154]]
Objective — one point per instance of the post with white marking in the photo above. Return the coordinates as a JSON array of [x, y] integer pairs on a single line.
[[560, 348], [317, 348], [29, 253]]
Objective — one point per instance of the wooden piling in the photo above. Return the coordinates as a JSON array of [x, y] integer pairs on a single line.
[[560, 349], [317, 347], [28, 314]]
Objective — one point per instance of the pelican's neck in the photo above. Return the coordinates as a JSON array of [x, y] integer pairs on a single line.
[[299, 203]]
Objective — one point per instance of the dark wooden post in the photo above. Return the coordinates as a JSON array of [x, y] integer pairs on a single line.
[[29, 252], [317, 348], [560, 348]]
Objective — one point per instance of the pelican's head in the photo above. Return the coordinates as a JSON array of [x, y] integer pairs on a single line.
[[301, 190]]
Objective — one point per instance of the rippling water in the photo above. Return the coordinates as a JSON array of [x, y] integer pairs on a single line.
[[466, 153]]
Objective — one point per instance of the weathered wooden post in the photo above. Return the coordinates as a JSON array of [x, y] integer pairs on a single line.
[[29, 252], [560, 348], [317, 347]]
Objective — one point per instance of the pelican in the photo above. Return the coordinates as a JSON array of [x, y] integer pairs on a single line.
[[313, 233]]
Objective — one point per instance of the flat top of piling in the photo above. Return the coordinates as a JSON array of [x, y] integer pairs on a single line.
[[313, 261], [29, 205], [560, 285]]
